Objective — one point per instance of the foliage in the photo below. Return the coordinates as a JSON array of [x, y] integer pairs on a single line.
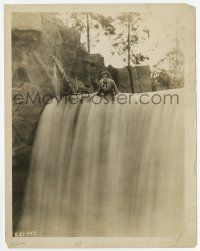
[[130, 33], [173, 62], [87, 22]]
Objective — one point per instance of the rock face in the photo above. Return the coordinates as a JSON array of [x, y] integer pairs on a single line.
[[140, 76], [123, 80], [34, 37], [135, 80], [32, 46], [144, 78], [96, 66]]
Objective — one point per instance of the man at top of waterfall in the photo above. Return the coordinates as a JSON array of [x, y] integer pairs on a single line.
[[106, 85]]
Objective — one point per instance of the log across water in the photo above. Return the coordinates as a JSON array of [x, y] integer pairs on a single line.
[[107, 170]]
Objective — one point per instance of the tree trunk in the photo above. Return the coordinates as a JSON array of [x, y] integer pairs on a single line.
[[128, 40], [129, 55], [88, 33], [130, 78]]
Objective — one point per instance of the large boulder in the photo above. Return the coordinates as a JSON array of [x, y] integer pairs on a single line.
[[88, 68], [123, 80], [81, 67], [96, 60], [132, 78], [96, 66], [135, 80], [144, 77]]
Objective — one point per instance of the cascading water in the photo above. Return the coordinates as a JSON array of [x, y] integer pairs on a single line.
[[106, 170]]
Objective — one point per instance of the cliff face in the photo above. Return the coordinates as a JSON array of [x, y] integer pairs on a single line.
[[34, 41], [34, 38]]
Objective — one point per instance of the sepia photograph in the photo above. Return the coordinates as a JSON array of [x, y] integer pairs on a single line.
[[101, 137]]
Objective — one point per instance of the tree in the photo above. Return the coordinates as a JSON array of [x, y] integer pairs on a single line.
[[131, 32], [87, 21], [88, 32], [173, 60]]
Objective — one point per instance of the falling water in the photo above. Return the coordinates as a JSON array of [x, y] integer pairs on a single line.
[[106, 170]]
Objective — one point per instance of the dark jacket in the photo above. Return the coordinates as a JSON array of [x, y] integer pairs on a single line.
[[107, 87]]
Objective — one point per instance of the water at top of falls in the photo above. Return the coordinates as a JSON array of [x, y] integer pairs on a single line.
[[106, 170]]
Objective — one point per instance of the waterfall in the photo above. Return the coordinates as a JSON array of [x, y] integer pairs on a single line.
[[106, 170], [55, 82]]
